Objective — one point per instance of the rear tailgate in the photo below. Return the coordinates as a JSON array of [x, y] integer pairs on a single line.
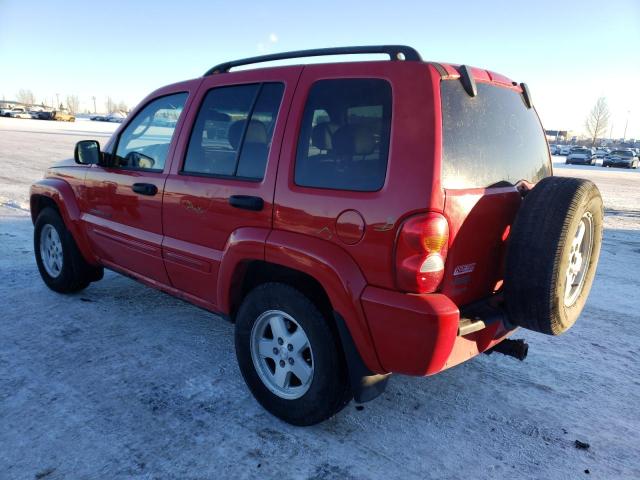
[[490, 143]]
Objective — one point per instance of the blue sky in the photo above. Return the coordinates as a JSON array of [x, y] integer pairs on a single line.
[[569, 52]]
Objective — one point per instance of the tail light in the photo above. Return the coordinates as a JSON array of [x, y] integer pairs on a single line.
[[421, 251]]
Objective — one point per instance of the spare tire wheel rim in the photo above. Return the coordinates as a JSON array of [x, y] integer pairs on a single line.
[[281, 354], [51, 250], [579, 260]]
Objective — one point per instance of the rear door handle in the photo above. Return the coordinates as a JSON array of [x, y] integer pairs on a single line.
[[246, 202], [144, 188]]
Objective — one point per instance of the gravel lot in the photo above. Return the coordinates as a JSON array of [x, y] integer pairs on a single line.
[[121, 381]]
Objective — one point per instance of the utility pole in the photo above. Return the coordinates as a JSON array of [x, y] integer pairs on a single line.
[[611, 132], [95, 110], [626, 124], [57, 100]]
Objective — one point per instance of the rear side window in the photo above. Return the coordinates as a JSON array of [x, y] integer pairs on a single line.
[[232, 134], [344, 137], [491, 139]]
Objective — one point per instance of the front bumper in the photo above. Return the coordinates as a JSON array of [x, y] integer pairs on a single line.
[[418, 334]]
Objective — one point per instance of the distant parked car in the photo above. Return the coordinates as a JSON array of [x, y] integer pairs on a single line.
[[580, 156], [13, 111], [565, 149], [20, 114], [45, 115], [63, 116], [553, 149], [621, 158], [601, 152], [114, 117]]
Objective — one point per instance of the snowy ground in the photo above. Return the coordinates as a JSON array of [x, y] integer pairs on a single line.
[[121, 381]]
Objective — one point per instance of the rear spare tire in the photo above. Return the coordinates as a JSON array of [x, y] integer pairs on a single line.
[[553, 254]]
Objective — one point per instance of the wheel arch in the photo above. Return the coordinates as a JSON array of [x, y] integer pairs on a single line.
[[321, 269], [58, 194]]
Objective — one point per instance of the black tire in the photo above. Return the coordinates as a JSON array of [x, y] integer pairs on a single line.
[[539, 255], [329, 390], [76, 274]]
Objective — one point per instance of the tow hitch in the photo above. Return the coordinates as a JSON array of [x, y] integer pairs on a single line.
[[514, 348]]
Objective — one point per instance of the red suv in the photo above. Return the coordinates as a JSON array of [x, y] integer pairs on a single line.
[[353, 219]]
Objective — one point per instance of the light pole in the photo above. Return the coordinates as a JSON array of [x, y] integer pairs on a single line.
[[95, 110], [57, 100], [626, 124]]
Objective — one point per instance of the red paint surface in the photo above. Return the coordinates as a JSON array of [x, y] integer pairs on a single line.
[[188, 241]]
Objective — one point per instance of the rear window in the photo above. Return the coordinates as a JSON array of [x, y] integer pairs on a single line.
[[491, 139]]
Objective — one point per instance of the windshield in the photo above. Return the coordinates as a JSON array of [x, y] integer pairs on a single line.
[[622, 153]]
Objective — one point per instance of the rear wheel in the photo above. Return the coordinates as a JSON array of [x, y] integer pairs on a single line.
[[289, 356], [59, 261], [553, 253]]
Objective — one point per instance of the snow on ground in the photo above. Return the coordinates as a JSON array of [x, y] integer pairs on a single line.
[[27, 147], [121, 381]]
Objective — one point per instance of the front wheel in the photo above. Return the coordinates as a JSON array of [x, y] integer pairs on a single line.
[[59, 261], [290, 356]]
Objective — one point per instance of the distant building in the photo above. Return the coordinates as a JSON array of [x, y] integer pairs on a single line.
[[9, 104]]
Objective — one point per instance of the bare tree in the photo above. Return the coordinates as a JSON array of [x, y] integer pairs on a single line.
[[122, 107], [598, 119], [111, 106], [73, 103], [26, 96]]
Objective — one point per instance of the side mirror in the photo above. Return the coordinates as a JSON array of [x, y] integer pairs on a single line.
[[87, 152]]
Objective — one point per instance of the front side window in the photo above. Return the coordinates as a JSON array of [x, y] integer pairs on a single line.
[[344, 139], [144, 143], [232, 134]]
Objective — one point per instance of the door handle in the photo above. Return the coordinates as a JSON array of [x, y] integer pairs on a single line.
[[246, 202], [144, 188]]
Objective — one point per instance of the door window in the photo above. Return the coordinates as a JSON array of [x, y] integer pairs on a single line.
[[144, 143], [232, 134]]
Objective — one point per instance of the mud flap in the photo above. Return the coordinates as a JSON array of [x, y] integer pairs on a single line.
[[365, 384]]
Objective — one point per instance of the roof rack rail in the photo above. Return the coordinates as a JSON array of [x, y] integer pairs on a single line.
[[395, 52]]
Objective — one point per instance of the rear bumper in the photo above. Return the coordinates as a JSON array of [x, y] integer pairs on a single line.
[[418, 334]]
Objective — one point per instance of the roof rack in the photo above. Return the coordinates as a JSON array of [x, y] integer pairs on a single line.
[[395, 52]]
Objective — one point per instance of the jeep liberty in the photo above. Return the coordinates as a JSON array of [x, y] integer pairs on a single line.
[[353, 219]]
